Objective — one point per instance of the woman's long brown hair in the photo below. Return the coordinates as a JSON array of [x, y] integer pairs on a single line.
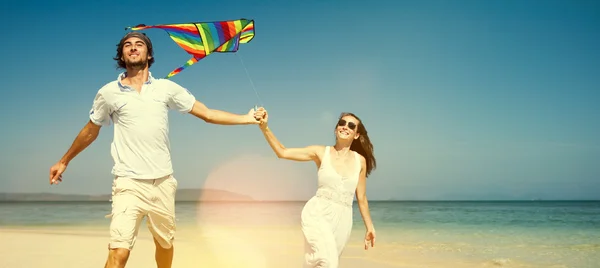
[[363, 146]]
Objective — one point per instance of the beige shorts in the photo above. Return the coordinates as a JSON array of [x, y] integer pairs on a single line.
[[132, 199]]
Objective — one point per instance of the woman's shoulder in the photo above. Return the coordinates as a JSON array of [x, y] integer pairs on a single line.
[[318, 150], [360, 157]]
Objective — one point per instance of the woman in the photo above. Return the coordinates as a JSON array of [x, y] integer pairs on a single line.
[[342, 172]]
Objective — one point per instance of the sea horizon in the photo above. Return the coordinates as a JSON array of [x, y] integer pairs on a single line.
[[297, 201], [200, 195]]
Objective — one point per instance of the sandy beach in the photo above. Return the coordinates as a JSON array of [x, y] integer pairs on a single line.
[[197, 247], [218, 246]]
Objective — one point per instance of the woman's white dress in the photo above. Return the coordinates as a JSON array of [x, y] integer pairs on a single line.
[[327, 217]]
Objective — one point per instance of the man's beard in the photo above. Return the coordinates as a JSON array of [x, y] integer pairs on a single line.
[[137, 64]]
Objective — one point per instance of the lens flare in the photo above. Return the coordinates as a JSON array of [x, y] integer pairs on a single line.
[[240, 214], [261, 179]]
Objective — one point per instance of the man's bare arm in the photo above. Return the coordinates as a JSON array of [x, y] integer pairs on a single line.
[[218, 117], [86, 136]]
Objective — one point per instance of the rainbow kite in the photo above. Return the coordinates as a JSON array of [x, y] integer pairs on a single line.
[[203, 38]]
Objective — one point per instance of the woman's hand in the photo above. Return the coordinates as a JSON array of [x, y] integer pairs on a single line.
[[263, 117], [370, 238]]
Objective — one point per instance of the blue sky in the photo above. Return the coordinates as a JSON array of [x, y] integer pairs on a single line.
[[462, 99]]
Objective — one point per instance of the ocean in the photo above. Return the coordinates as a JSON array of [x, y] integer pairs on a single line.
[[494, 233]]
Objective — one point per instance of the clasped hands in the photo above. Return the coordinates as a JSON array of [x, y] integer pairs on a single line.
[[261, 116]]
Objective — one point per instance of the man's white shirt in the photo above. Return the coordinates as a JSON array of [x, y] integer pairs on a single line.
[[140, 147]]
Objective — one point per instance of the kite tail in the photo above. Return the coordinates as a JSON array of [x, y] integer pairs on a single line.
[[137, 27], [189, 63]]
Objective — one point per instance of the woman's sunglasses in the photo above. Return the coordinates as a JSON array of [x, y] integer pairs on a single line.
[[343, 122]]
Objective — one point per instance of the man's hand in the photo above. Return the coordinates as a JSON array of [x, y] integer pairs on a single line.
[[56, 172], [252, 117]]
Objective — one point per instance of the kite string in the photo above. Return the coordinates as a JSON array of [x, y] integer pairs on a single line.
[[249, 78]]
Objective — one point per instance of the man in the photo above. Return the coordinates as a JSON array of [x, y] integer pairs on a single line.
[[143, 184]]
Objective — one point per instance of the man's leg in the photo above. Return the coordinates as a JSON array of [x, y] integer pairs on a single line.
[[161, 220], [163, 256], [126, 216], [117, 258]]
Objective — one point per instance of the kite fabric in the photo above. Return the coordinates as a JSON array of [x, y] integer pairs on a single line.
[[200, 39]]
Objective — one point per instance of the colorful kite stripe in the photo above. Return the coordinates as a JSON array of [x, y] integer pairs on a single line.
[[202, 39]]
